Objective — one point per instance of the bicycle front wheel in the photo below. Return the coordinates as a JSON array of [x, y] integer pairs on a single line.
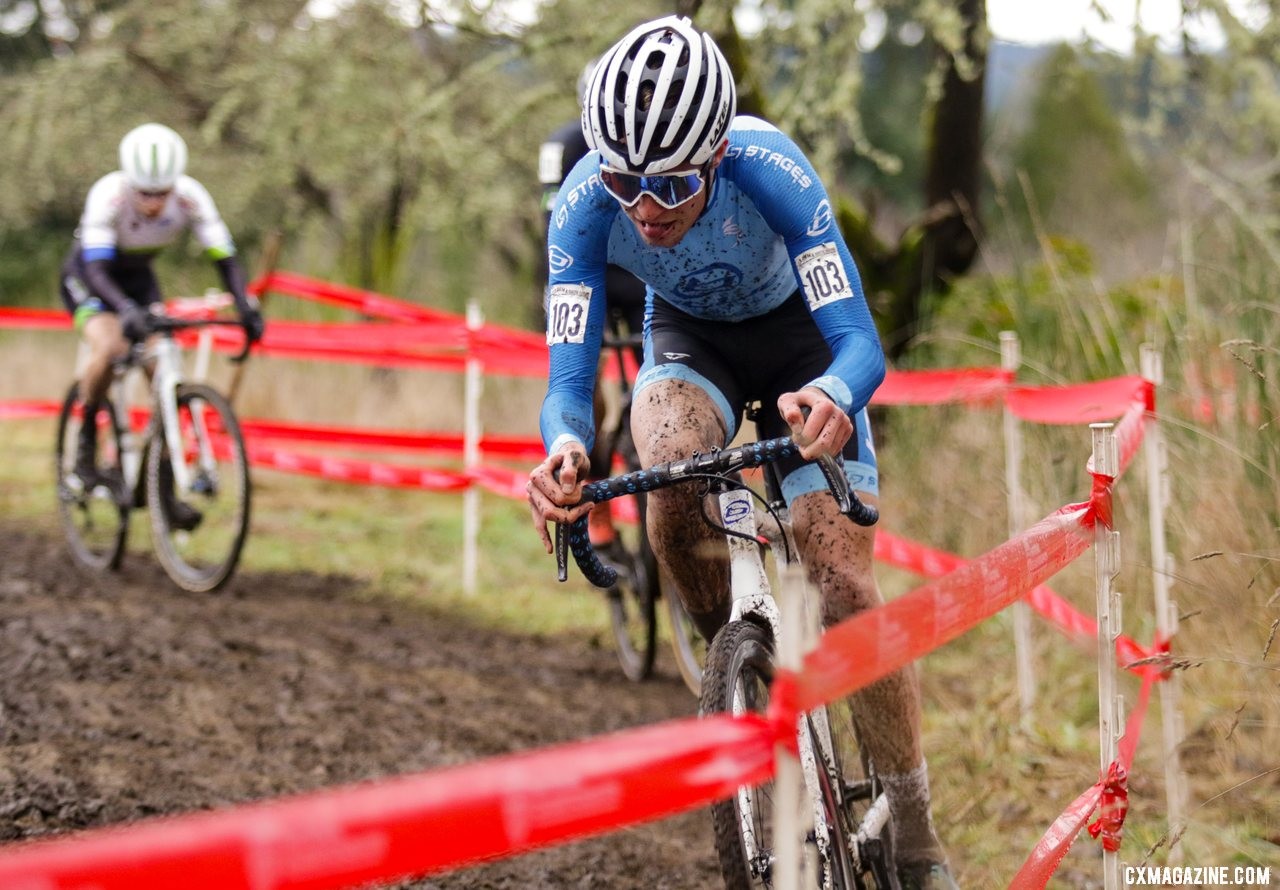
[[736, 681], [94, 516], [198, 529]]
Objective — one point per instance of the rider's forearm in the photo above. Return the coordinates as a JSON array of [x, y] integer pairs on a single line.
[[566, 415], [856, 370], [233, 280], [104, 286]]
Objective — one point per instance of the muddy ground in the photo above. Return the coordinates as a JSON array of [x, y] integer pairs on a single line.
[[124, 698]]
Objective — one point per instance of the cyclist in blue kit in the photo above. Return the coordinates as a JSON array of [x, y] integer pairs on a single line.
[[752, 296]]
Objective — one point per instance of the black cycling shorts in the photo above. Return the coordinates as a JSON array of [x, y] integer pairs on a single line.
[[757, 360]]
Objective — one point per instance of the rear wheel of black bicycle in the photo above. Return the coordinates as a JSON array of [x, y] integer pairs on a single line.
[[839, 869], [94, 516], [687, 643], [198, 532], [736, 681], [631, 602], [865, 824]]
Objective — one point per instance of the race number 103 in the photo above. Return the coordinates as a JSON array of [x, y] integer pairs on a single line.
[[823, 276], [567, 306]]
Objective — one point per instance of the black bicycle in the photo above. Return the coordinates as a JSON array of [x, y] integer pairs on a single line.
[[634, 596], [851, 827], [188, 466]]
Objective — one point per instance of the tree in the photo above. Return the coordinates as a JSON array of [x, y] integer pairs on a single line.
[[806, 56], [1074, 156], [377, 130]]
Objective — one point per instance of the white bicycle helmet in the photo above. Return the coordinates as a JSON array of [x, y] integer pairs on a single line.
[[584, 81], [660, 99], [152, 157]]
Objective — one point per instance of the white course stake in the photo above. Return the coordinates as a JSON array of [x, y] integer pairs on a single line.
[[789, 803], [792, 816], [471, 451], [1106, 567], [1010, 359], [1158, 495]]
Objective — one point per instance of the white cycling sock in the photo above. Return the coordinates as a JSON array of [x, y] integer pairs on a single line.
[[914, 839]]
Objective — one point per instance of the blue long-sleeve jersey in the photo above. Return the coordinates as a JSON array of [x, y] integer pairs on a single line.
[[767, 229]]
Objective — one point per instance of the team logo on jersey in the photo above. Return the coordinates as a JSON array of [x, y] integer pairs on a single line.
[[709, 280], [732, 230], [573, 196], [822, 219], [675, 356], [763, 155], [558, 260]]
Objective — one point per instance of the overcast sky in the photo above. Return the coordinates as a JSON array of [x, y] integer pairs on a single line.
[[1031, 21], [1107, 22]]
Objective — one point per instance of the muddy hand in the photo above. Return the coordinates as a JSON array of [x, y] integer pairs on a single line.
[[555, 487], [827, 428]]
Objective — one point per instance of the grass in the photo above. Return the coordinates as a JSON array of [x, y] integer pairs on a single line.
[[398, 542], [1218, 403], [998, 781]]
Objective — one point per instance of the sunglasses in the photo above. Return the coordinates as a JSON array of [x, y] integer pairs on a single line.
[[152, 193], [668, 189]]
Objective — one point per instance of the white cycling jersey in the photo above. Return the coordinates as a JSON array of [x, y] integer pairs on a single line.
[[112, 225]]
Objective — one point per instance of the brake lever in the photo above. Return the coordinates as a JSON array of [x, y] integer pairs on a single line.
[[240, 357]]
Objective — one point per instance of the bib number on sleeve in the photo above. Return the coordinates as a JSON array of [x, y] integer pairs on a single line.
[[567, 306], [822, 276]]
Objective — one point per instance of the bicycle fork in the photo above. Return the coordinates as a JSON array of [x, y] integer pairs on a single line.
[[168, 377]]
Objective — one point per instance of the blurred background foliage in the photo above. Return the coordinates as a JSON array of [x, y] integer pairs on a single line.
[[1056, 190], [394, 143]]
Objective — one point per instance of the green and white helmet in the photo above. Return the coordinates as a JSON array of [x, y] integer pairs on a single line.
[[152, 157]]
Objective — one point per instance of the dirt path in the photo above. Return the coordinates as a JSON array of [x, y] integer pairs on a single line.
[[123, 698]]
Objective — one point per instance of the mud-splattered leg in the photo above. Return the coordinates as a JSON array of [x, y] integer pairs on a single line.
[[670, 420], [838, 556]]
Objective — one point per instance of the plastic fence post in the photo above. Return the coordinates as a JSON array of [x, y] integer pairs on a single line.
[[1010, 359], [471, 451], [1106, 566], [1158, 495]]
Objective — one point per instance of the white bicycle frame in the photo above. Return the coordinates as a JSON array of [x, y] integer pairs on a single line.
[[164, 387], [164, 356], [753, 596]]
